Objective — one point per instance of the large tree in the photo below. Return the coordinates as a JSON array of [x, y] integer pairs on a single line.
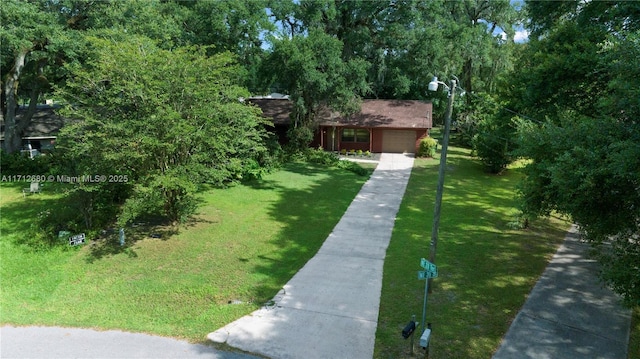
[[168, 120], [582, 88], [311, 70], [29, 35], [478, 21], [400, 41], [405, 43], [237, 26], [39, 37]]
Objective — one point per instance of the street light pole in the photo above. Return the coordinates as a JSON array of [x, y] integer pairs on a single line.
[[441, 172]]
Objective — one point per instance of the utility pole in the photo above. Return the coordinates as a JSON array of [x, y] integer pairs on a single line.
[[441, 172]]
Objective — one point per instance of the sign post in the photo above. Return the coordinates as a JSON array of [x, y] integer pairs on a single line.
[[77, 239], [431, 271]]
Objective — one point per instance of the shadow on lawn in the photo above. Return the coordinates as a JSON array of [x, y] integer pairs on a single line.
[[21, 213], [308, 215], [23, 217], [108, 243], [156, 227], [486, 269], [453, 151]]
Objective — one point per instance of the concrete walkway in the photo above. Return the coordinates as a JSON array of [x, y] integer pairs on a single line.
[[569, 314], [329, 309]]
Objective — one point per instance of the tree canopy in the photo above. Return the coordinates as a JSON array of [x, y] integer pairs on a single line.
[[30, 38], [169, 120], [312, 71], [582, 90]]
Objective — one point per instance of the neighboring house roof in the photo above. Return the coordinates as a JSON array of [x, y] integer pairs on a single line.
[[373, 113], [273, 95], [45, 123], [277, 110]]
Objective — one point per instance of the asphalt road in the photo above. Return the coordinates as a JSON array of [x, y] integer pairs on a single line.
[[57, 342], [569, 314]]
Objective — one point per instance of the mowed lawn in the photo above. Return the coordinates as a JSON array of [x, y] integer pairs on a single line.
[[486, 267], [250, 239], [246, 242]]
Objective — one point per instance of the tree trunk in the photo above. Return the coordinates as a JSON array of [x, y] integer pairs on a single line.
[[12, 132], [38, 84], [466, 80]]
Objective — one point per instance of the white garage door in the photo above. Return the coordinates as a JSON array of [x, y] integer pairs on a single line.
[[395, 141]]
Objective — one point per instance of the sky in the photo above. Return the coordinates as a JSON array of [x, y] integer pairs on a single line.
[[522, 35]]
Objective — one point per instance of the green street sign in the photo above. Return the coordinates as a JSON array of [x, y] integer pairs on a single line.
[[428, 265], [425, 274]]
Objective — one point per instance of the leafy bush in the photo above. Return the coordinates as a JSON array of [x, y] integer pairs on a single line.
[[19, 164], [299, 137], [427, 147], [320, 156], [494, 143], [253, 170], [44, 229], [353, 167], [472, 114], [65, 216], [170, 196], [273, 158], [323, 157], [128, 126]]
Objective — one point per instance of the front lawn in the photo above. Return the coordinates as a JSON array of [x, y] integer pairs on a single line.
[[246, 242], [486, 268]]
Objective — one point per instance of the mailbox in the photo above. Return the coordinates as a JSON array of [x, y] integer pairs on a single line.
[[424, 339], [408, 329]]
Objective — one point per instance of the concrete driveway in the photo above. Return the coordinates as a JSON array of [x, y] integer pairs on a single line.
[[329, 309]]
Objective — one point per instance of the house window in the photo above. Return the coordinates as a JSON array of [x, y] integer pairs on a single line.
[[355, 135]]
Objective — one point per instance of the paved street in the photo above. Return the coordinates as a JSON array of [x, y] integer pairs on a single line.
[[569, 314], [56, 342]]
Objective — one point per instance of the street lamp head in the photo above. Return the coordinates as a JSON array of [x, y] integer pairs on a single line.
[[433, 85]]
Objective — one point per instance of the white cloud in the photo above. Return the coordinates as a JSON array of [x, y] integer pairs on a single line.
[[521, 36]]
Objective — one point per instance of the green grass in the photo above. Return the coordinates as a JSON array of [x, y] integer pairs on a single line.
[[486, 269], [634, 340], [246, 242]]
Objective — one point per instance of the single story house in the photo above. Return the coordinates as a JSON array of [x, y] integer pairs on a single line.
[[379, 126], [395, 126], [43, 129]]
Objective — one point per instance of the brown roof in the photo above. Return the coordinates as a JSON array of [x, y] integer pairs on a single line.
[[45, 123], [390, 114], [276, 109], [373, 113]]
